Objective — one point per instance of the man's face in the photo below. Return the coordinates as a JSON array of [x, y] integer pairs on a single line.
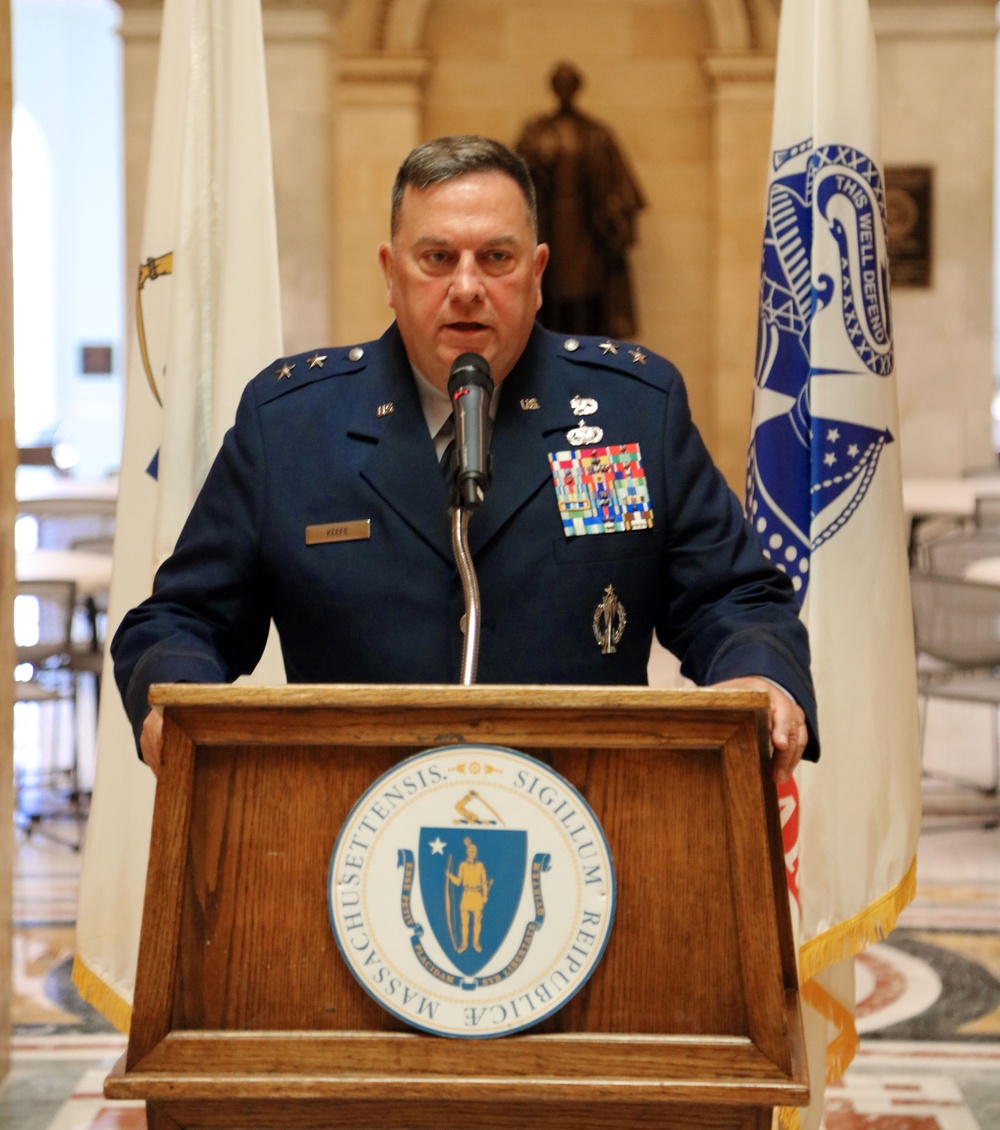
[[464, 273]]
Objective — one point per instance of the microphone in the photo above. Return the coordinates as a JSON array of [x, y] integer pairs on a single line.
[[470, 387]]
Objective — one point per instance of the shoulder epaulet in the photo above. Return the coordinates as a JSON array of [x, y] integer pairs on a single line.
[[287, 374], [627, 358]]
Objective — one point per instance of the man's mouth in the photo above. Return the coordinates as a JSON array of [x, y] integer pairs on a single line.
[[465, 327]]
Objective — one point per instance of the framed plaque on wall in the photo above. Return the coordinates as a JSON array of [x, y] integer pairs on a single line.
[[909, 201]]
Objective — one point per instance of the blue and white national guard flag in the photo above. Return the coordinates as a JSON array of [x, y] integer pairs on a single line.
[[207, 308], [824, 493]]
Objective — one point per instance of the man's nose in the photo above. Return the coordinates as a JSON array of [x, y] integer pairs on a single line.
[[467, 285]]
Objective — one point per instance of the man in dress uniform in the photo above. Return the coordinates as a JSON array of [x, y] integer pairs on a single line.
[[327, 510]]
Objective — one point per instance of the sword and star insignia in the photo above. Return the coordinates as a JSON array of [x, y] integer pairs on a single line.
[[609, 621]]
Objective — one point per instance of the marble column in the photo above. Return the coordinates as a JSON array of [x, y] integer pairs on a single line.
[[299, 48], [8, 460], [378, 119], [299, 57], [742, 101]]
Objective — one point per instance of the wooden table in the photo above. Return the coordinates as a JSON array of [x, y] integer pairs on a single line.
[[986, 570], [91, 572], [924, 499], [952, 498], [72, 498]]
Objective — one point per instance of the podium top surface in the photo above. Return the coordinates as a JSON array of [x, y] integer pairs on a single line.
[[435, 695], [431, 714]]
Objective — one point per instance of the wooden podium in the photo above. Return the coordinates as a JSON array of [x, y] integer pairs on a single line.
[[247, 1016]]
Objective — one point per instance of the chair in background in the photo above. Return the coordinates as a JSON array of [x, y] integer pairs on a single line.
[[90, 660], [988, 512], [45, 675], [957, 631], [982, 470], [952, 554]]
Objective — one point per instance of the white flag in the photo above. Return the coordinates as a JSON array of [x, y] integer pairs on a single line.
[[207, 319], [825, 495]]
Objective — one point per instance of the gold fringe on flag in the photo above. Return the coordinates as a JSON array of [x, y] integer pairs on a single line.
[[788, 1118], [101, 996], [844, 1046], [846, 940], [849, 938]]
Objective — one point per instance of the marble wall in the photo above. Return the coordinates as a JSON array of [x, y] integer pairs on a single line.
[[937, 92], [645, 79], [687, 86]]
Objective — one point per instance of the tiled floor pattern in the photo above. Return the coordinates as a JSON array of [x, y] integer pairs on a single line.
[[928, 998]]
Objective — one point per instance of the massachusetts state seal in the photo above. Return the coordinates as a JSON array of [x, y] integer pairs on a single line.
[[472, 891]]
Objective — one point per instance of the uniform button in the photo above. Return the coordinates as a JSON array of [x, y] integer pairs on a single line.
[[571, 345], [356, 354]]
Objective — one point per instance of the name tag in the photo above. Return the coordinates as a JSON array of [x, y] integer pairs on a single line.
[[360, 530], [601, 490]]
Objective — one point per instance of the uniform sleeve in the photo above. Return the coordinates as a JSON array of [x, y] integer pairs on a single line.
[[725, 610], [208, 617]]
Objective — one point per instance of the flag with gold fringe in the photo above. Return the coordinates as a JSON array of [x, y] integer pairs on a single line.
[[207, 309], [824, 493]]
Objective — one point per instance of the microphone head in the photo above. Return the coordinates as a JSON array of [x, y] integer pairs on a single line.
[[470, 369]]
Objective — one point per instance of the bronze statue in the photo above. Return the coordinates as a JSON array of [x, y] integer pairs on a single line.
[[587, 204]]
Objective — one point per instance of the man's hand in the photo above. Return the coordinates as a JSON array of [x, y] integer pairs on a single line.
[[151, 741], [789, 733]]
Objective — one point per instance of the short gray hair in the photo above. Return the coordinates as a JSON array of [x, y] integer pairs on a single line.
[[446, 158]]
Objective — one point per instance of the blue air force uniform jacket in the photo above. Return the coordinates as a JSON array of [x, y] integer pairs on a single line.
[[346, 440]]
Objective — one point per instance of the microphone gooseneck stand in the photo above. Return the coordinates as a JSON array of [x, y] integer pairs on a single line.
[[470, 387], [470, 590]]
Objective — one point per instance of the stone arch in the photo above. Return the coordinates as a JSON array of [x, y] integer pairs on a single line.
[[743, 25], [383, 67], [371, 27], [397, 26]]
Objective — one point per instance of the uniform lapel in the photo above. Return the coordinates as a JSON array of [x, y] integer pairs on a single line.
[[400, 465]]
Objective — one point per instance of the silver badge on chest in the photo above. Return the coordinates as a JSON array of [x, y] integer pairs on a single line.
[[584, 435]]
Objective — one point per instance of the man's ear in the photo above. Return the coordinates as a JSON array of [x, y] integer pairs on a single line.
[[387, 263], [541, 259]]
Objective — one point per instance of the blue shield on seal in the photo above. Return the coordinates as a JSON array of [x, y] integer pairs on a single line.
[[471, 880]]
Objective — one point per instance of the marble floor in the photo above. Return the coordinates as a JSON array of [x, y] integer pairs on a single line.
[[928, 998]]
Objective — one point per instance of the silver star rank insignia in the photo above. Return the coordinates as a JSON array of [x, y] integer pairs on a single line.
[[284, 371], [638, 357], [316, 360], [608, 347]]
